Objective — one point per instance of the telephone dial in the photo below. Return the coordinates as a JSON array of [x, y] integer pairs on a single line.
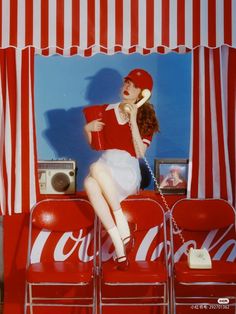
[[199, 259]]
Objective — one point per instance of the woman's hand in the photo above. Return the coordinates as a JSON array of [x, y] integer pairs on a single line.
[[94, 126], [132, 111]]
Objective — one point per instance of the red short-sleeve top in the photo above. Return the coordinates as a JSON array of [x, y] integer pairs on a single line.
[[117, 133]]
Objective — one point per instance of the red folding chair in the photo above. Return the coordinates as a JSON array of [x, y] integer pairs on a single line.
[[63, 273], [145, 283], [208, 223]]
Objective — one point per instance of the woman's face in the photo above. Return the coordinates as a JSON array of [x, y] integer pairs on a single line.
[[174, 174], [129, 92]]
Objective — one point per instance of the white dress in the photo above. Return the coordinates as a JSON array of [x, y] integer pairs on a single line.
[[124, 170], [123, 167]]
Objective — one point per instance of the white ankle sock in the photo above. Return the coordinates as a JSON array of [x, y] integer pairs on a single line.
[[118, 243], [121, 223]]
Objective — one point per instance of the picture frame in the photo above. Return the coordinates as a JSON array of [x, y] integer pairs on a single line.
[[171, 175]]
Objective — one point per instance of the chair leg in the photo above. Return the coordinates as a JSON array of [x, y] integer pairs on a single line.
[[26, 298], [163, 308], [173, 303], [169, 307], [30, 299], [94, 295], [100, 294]]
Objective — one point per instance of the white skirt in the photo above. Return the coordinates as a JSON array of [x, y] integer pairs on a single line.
[[124, 169]]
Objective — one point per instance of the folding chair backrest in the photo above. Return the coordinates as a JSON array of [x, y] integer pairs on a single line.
[[203, 215], [63, 215], [147, 217], [145, 213], [68, 227], [206, 223]]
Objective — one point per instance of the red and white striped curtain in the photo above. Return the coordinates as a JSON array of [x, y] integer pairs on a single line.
[[17, 134], [212, 160]]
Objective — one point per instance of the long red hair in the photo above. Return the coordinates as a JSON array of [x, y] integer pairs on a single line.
[[146, 120]]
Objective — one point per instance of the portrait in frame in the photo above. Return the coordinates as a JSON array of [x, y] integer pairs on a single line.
[[172, 175]]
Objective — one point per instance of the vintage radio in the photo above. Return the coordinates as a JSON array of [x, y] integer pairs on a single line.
[[57, 176]]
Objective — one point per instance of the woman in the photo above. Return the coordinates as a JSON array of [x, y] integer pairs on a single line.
[[116, 174], [174, 179]]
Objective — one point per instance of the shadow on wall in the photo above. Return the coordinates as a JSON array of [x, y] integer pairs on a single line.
[[65, 127]]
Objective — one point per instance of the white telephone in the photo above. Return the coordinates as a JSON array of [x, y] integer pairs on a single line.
[[146, 94], [199, 259]]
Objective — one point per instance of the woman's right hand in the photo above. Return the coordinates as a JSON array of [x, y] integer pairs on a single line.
[[94, 126]]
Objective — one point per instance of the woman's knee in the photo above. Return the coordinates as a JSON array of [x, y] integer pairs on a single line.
[[90, 184], [97, 170]]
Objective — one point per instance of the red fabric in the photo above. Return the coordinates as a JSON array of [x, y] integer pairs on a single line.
[[112, 132], [165, 22], [150, 17], [181, 22], [13, 24], [203, 215], [60, 25], [29, 22], [92, 113], [44, 24], [196, 22], [212, 23], [50, 215], [228, 22], [221, 271], [104, 24]]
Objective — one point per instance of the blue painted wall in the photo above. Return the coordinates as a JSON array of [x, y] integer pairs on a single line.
[[64, 85]]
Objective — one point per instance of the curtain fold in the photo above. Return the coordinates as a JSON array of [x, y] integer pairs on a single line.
[[231, 116], [212, 153], [18, 188]]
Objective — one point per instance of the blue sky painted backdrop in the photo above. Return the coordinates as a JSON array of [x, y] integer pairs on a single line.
[[64, 85]]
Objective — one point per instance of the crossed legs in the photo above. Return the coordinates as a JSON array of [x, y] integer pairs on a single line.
[[103, 196]]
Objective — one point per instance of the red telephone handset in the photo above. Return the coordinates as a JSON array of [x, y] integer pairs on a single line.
[[92, 113]]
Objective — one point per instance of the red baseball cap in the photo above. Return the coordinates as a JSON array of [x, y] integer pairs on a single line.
[[141, 79]]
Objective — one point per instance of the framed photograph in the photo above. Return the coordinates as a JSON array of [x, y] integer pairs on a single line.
[[172, 175]]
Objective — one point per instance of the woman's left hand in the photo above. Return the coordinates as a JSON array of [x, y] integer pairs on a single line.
[[133, 110]]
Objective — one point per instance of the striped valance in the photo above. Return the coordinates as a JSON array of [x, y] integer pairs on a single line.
[[86, 27]]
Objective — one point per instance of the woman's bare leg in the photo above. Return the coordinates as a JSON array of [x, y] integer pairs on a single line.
[[102, 210], [105, 181]]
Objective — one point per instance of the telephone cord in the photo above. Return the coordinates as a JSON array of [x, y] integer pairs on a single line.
[[176, 227]]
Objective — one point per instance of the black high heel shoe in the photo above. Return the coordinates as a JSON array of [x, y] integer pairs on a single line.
[[122, 263], [128, 243]]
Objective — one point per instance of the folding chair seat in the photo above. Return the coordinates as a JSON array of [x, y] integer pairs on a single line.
[[222, 271], [203, 223], [145, 282], [71, 224], [67, 272], [139, 271]]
